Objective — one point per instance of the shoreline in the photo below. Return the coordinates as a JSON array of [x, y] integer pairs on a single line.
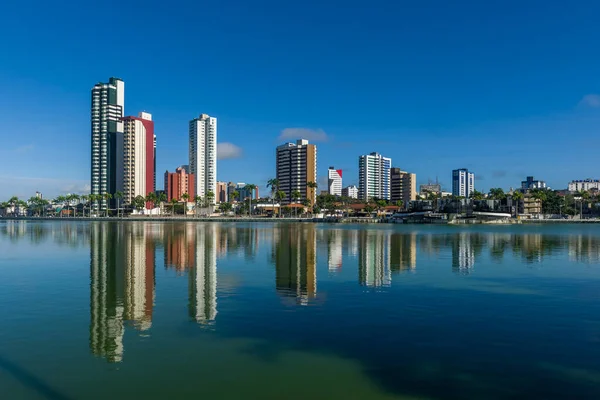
[[302, 220]]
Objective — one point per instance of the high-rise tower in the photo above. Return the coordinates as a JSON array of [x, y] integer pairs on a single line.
[[203, 154], [108, 104]]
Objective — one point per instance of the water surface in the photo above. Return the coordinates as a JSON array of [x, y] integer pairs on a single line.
[[97, 310]]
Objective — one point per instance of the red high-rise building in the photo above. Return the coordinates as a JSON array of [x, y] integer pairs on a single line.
[[138, 156]]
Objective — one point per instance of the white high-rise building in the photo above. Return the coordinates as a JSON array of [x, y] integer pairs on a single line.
[[350, 191], [108, 107], [374, 176], [334, 184], [203, 154], [463, 182]]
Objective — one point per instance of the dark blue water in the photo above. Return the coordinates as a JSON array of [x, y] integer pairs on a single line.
[[230, 310]]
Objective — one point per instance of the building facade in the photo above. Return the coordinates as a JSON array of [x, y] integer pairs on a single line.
[[108, 105], [138, 156], [530, 183], [584, 184], [203, 154], [221, 194], [334, 182], [463, 182], [374, 176], [350, 191], [296, 166], [179, 182], [403, 186], [430, 188]]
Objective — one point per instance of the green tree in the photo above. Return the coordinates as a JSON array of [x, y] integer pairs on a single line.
[[162, 199], [476, 195], [210, 197], [185, 197], [139, 202], [497, 194], [312, 189], [369, 208], [107, 197], [173, 204], [250, 187], [152, 198], [197, 202], [274, 185], [119, 196], [225, 207], [517, 198], [296, 195]]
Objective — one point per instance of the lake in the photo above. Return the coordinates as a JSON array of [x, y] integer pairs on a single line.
[[171, 310]]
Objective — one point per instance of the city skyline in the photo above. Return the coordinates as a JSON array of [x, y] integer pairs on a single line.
[[445, 93]]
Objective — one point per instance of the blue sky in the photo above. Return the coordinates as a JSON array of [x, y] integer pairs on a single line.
[[506, 89]]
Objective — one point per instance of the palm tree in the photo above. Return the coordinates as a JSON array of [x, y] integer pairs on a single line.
[[280, 196], [210, 196], [475, 195], [497, 194], [107, 197], [185, 197], [539, 195], [152, 198], [296, 195], [274, 185], [84, 200], [119, 196], [235, 195], [517, 197], [197, 202], [161, 199], [173, 204], [251, 188], [312, 186]]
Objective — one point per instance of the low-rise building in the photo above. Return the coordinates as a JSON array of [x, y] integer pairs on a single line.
[[584, 184], [179, 182], [430, 188], [530, 183], [350, 191], [531, 205]]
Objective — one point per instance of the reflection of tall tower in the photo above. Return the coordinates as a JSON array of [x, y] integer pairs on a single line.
[[334, 247], [122, 263], [374, 258], [295, 262], [106, 302], [403, 252], [203, 276], [139, 277], [463, 254]]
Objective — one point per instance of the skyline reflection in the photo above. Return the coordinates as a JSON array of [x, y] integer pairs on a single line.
[[123, 259]]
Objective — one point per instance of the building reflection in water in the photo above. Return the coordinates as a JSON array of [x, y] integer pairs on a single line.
[[202, 277], [334, 249], [192, 249], [463, 254], [374, 258], [295, 258], [403, 252], [122, 286]]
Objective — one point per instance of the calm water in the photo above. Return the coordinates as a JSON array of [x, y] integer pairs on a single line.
[[298, 311]]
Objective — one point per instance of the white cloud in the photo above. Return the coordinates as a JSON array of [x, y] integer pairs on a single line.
[[315, 135], [590, 100], [227, 151]]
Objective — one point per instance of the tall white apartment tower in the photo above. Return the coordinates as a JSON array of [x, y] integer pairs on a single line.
[[108, 105], [203, 154], [463, 182], [374, 176], [334, 183]]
